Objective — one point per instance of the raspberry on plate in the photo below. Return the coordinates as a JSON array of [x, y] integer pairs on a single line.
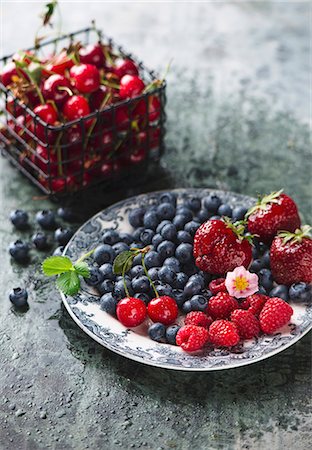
[[254, 303], [217, 285], [275, 314], [198, 318], [247, 324], [191, 338], [221, 306], [223, 333]]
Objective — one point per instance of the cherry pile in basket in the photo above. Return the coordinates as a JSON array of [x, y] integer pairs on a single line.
[[71, 149], [200, 272]]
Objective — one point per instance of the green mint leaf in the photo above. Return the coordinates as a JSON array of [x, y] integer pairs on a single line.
[[68, 283], [54, 265], [82, 269], [123, 262]]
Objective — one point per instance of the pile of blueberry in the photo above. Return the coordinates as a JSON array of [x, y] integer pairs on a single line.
[[42, 240]]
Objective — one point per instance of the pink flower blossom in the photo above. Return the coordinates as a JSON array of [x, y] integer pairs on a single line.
[[240, 283]]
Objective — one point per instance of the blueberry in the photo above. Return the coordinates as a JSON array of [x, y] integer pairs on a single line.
[[184, 253], [18, 297], [58, 251], [137, 260], [184, 236], [157, 332], [107, 271], [146, 236], [153, 273], [186, 212], [137, 233], [163, 289], [165, 211], [224, 210], [180, 220], [202, 216], [238, 213], [194, 204], [266, 259], [256, 265], [152, 259], [157, 239], [136, 217], [67, 214], [261, 290], [108, 303], [171, 334], [165, 250], [161, 225], [280, 291], [40, 241], [208, 294], [192, 287], [142, 296], [266, 279], [105, 287], [198, 303], [215, 218], [178, 296], [104, 254], [110, 237], [126, 238], [120, 247], [168, 197], [207, 277], [190, 269], [63, 235], [186, 307], [212, 203], [19, 219], [119, 289], [181, 280], [167, 275], [96, 277], [46, 219], [169, 232], [300, 292], [150, 220], [173, 263], [19, 251], [136, 271], [198, 278], [255, 252], [192, 227], [141, 284]]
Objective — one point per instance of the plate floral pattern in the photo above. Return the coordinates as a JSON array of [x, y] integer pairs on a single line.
[[84, 308]]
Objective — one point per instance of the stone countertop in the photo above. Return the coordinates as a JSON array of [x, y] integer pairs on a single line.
[[238, 119]]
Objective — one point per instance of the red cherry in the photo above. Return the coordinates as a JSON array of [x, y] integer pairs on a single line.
[[96, 98], [9, 71], [51, 89], [106, 169], [92, 54], [85, 77], [125, 67], [59, 63], [41, 159], [154, 107], [48, 114], [21, 122], [163, 309], [122, 118], [76, 107], [138, 156], [130, 86], [58, 184], [131, 311], [217, 285], [13, 107]]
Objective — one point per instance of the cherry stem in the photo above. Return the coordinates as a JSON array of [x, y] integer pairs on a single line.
[[123, 278], [143, 252], [66, 89], [109, 84], [104, 102]]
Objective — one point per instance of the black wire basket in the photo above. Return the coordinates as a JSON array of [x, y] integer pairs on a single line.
[[126, 136]]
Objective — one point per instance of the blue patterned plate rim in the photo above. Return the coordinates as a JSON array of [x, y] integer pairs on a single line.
[[135, 344]]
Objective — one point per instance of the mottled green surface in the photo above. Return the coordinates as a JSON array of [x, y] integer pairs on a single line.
[[238, 117]]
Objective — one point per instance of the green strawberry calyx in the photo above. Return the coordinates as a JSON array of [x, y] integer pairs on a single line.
[[297, 236], [264, 201], [239, 229]]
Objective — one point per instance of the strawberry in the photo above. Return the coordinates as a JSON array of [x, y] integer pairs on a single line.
[[221, 306], [254, 303], [291, 256], [272, 213], [192, 338], [275, 314], [220, 246], [247, 324], [223, 333]]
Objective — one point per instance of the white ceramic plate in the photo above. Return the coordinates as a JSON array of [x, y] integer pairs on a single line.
[[135, 344]]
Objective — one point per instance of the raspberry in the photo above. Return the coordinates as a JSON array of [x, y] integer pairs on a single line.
[[191, 338], [221, 306], [274, 315], [198, 318], [254, 303], [217, 285], [223, 333], [246, 323]]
